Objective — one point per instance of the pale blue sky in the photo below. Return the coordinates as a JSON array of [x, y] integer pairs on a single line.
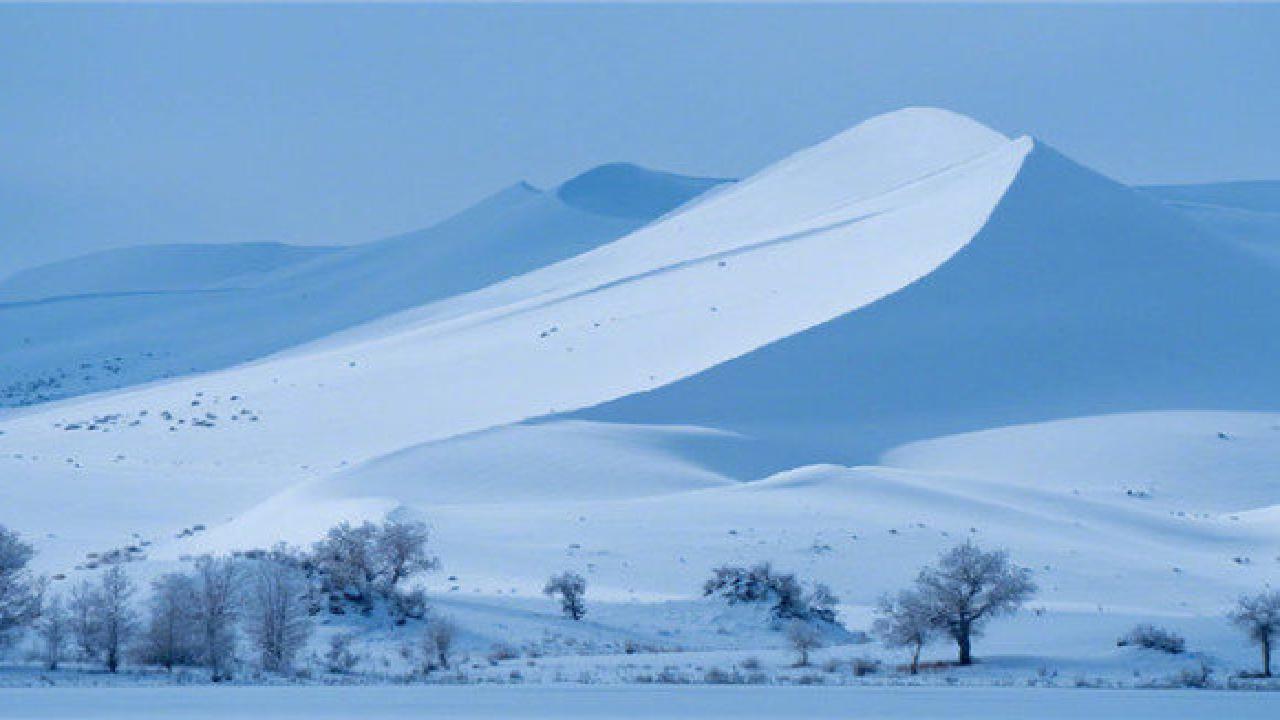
[[124, 125]]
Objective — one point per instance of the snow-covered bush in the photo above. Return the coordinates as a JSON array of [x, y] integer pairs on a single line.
[[571, 588], [761, 584], [502, 651], [339, 658], [438, 635], [1154, 638], [407, 604]]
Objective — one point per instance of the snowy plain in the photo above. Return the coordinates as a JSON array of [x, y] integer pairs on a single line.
[[543, 703]]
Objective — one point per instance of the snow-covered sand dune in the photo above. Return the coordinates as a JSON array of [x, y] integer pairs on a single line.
[[138, 314], [816, 236]]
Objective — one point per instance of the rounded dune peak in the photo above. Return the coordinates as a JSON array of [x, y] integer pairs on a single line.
[[623, 189], [893, 148]]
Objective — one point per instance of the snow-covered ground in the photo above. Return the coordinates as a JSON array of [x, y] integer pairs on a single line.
[[712, 703]]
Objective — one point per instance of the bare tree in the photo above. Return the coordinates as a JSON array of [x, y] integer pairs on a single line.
[[571, 589], [968, 587], [437, 642], [217, 584], [19, 592], [53, 629], [401, 550], [83, 611], [170, 637], [905, 620], [276, 612], [804, 638], [117, 620], [1259, 617]]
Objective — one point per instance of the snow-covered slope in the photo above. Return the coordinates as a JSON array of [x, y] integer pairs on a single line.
[[154, 269], [630, 191], [1138, 513], [1080, 296], [1246, 214], [93, 341], [809, 239]]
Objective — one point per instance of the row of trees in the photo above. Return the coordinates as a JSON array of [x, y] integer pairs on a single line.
[[202, 615], [190, 618], [968, 587]]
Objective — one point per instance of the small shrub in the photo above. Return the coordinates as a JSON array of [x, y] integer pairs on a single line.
[[502, 651], [1200, 677], [1151, 637], [864, 666], [716, 676], [339, 659]]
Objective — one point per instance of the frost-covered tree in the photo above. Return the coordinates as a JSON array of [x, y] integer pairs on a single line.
[[438, 635], [401, 551], [82, 609], [760, 583], [968, 587], [217, 582], [171, 635], [53, 629], [738, 584], [361, 562], [276, 612], [19, 592], [905, 620], [803, 638], [1259, 617], [571, 588], [822, 603], [117, 620], [347, 557]]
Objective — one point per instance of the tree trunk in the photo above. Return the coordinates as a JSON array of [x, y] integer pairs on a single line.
[[915, 659], [965, 643], [1266, 657]]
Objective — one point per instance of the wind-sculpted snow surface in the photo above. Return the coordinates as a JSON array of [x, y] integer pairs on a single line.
[[809, 239], [153, 269], [1078, 297], [154, 312]]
